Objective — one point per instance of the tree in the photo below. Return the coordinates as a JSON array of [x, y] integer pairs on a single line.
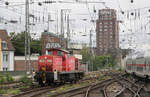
[[85, 54], [18, 41], [99, 62], [36, 46]]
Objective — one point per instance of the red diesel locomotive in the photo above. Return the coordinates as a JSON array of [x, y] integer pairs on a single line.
[[58, 66]]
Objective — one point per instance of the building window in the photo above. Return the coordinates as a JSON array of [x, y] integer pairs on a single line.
[[5, 57], [105, 26], [4, 45], [101, 33], [111, 23], [100, 29], [105, 29], [5, 69], [105, 22], [5, 61], [100, 36], [111, 29]]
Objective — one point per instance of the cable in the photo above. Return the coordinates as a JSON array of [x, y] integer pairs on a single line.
[[90, 14]]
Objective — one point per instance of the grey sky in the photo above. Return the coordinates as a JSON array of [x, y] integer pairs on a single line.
[[133, 35]]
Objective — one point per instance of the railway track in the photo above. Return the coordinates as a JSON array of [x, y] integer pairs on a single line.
[[35, 92], [81, 91], [11, 85], [131, 89], [117, 86], [122, 88]]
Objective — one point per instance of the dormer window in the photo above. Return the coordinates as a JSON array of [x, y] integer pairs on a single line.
[[4, 45]]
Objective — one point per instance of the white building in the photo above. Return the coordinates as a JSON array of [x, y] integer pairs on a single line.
[[7, 52]]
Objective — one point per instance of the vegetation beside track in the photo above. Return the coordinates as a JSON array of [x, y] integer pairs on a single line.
[[9, 87], [6, 78], [88, 79], [26, 83], [10, 91]]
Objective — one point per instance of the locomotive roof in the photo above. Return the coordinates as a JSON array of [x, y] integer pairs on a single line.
[[59, 50]]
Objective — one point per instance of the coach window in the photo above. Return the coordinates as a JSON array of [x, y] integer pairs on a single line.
[[139, 68], [129, 67], [149, 64]]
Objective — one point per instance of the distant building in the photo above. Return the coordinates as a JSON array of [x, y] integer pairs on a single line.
[[107, 32], [6, 52], [51, 40]]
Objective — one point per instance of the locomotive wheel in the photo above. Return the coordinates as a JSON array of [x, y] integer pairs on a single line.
[[41, 83], [42, 79]]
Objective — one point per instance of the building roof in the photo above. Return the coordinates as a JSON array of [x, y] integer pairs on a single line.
[[4, 37], [59, 50], [50, 33]]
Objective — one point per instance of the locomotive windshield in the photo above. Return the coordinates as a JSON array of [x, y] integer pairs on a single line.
[[50, 52], [60, 53]]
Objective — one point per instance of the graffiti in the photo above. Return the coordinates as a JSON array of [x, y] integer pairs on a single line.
[[53, 45]]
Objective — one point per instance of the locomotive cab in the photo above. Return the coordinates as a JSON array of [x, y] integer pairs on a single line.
[[57, 66]]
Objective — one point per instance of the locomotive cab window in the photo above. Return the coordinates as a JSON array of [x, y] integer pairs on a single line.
[[42, 60], [60, 53], [50, 53], [49, 60]]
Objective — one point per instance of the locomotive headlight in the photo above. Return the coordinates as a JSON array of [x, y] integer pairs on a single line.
[[45, 57], [43, 68]]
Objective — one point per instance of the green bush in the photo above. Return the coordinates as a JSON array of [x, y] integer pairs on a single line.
[[2, 91], [9, 78], [27, 81], [2, 79]]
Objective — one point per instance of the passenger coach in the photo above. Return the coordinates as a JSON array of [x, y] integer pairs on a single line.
[[139, 65]]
